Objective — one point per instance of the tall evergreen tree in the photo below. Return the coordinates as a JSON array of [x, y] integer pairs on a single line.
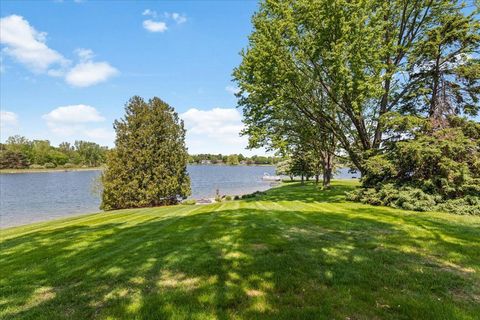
[[148, 166]]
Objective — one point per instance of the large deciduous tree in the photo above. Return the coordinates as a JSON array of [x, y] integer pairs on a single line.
[[344, 64], [148, 166]]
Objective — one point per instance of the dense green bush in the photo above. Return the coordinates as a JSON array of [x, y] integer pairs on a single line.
[[13, 160], [228, 198], [415, 199], [69, 165], [189, 202], [443, 161], [237, 197], [50, 165], [425, 166], [253, 195]]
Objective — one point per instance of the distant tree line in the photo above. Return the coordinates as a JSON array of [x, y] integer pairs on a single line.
[[232, 159], [19, 152]]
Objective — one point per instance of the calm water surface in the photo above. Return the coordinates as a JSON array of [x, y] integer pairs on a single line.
[[33, 197]]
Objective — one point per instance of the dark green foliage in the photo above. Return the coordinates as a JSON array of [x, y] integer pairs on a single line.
[[410, 198], [443, 161], [13, 160], [253, 195], [148, 166], [426, 169]]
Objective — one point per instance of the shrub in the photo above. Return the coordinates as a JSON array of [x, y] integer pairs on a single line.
[[228, 198], [13, 160], [50, 165], [253, 195], [36, 166], [415, 199], [68, 165], [469, 205], [189, 202], [237, 197]]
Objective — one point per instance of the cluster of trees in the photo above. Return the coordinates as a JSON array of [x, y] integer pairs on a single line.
[[232, 159], [19, 152], [370, 83]]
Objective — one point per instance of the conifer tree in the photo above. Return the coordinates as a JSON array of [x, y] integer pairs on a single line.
[[148, 166]]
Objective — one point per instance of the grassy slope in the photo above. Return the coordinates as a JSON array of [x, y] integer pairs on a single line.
[[295, 254]]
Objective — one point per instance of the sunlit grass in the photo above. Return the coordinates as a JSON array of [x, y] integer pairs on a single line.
[[295, 253]]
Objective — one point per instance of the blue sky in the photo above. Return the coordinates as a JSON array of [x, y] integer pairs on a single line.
[[67, 68]]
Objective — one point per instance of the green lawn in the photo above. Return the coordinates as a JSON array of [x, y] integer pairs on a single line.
[[294, 253]]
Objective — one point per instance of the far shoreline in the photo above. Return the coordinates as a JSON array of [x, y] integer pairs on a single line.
[[45, 170]]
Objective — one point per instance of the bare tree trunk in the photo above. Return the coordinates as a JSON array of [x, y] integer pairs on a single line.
[[327, 172]]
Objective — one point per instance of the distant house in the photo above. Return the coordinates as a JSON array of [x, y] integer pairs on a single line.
[[205, 162]]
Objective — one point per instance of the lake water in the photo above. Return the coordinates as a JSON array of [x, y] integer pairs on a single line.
[[32, 197]]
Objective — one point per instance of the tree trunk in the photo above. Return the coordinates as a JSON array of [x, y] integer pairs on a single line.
[[302, 179], [316, 178], [327, 172]]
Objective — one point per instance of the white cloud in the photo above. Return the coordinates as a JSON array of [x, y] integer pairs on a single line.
[[88, 73], [79, 121], [179, 18], [155, 26], [214, 131], [73, 114], [232, 89], [8, 119], [84, 54], [151, 13], [161, 26], [102, 134], [27, 45]]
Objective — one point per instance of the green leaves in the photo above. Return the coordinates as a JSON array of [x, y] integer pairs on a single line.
[[148, 166]]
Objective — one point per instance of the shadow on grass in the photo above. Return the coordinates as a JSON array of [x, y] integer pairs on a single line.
[[243, 263], [309, 192]]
